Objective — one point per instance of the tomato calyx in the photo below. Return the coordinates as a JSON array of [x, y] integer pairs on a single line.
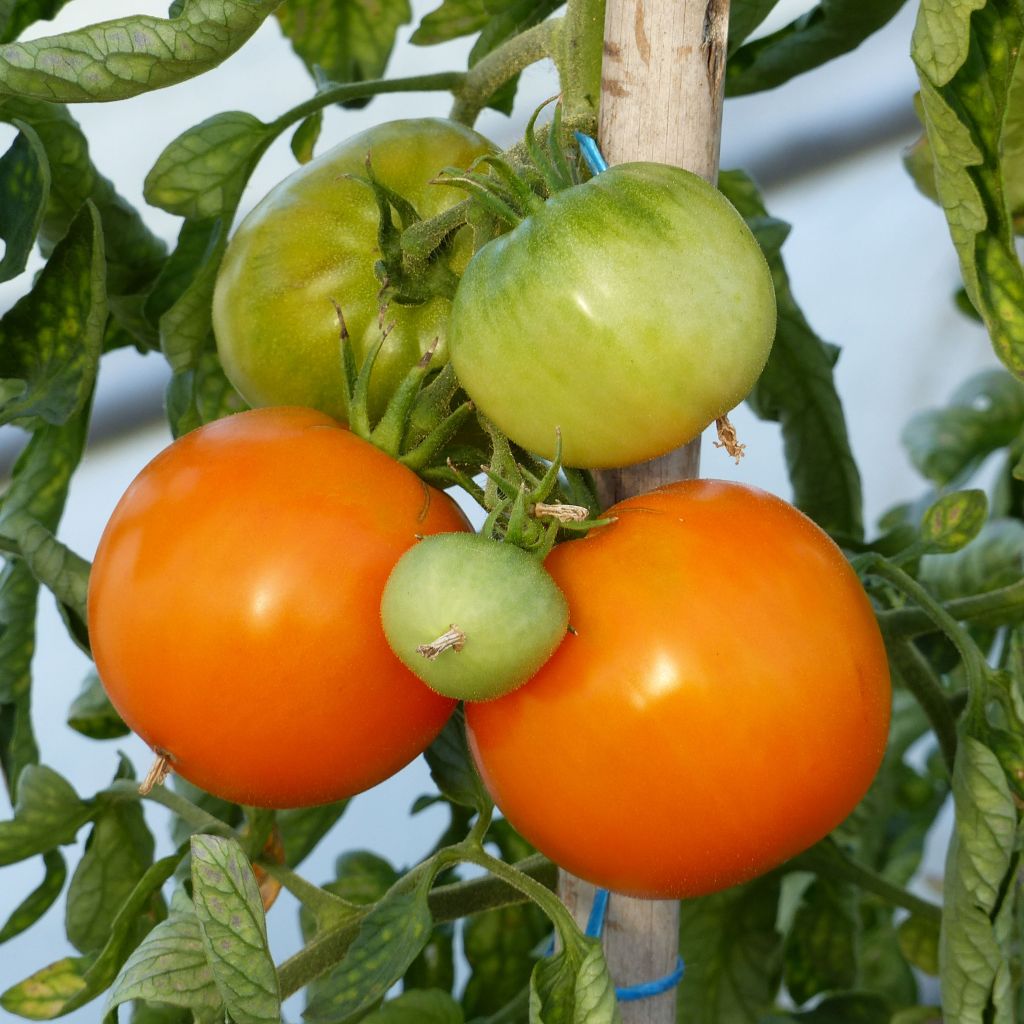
[[418, 422]]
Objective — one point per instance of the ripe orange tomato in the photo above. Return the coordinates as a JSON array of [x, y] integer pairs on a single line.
[[721, 703], [234, 609]]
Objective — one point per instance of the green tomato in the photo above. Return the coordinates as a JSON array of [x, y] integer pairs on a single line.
[[629, 312], [311, 243], [472, 617]]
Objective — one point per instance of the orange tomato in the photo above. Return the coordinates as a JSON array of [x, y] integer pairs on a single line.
[[721, 703], [234, 609]]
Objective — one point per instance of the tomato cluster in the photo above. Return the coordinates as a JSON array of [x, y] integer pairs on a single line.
[[690, 694]]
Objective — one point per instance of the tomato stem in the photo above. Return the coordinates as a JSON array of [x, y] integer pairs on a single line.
[[994, 608], [453, 639], [580, 56], [158, 772]]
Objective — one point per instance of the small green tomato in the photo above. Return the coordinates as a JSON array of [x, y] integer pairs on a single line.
[[472, 617]]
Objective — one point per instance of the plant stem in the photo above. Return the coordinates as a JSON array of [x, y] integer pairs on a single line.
[[827, 859], [995, 608], [485, 78], [579, 58], [195, 817], [441, 81], [920, 680], [447, 903]]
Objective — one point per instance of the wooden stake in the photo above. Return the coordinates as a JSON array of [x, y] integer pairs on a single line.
[[661, 100]]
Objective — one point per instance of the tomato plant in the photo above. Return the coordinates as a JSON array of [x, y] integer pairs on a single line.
[[233, 609], [311, 243], [709, 715], [496, 612], [629, 312]]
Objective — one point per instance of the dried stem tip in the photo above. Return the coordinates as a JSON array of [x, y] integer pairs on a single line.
[[452, 640], [157, 774], [727, 438], [563, 513]]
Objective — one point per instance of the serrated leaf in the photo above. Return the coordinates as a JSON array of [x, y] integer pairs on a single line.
[[48, 814], [306, 135], [92, 714], [118, 853], [24, 190], [984, 414], [995, 558], [966, 55], [451, 766], [595, 1001], [421, 1006], [74, 981], [116, 59], [51, 339], [954, 520], [203, 172], [350, 40], [234, 931], [390, 938], [828, 30], [919, 942], [39, 900], [733, 954], [821, 947], [972, 955], [170, 966], [38, 488], [454, 18], [798, 391], [17, 15], [553, 989]]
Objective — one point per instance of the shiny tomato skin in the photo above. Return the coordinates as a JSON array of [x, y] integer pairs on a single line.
[[233, 609], [721, 703], [629, 312], [312, 242]]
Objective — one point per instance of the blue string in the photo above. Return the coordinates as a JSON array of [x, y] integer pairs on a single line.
[[591, 154], [646, 989]]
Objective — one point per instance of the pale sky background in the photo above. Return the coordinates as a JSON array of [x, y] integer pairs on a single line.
[[870, 261]]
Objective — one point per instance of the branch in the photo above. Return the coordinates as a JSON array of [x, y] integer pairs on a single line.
[[996, 608]]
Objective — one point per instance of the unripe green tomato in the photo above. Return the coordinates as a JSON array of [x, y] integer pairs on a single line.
[[630, 312], [312, 242], [495, 610]]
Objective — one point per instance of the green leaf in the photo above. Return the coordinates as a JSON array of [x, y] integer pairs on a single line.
[[17, 15], [53, 564], [595, 1001], [92, 714], [234, 930], [170, 966], [201, 395], [966, 54], [995, 558], [844, 1008], [306, 135], [50, 341], [797, 389], [828, 30], [302, 828], [48, 814], [953, 521], [133, 253], [24, 189], [553, 989], [159, 1013], [39, 900], [919, 942], [452, 19], [452, 769], [972, 955], [421, 1006], [390, 938], [118, 853], [733, 954], [116, 59], [821, 947], [744, 17], [984, 414], [350, 40], [74, 981], [38, 488], [203, 172]]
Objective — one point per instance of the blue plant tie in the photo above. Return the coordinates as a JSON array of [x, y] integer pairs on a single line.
[[595, 925], [591, 154]]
